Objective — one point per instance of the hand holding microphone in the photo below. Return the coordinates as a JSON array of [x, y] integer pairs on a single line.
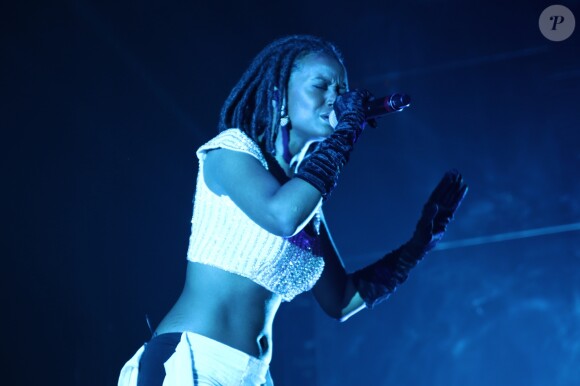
[[349, 111], [376, 107], [322, 166]]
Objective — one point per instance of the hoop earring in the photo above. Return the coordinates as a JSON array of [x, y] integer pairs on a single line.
[[285, 131], [284, 120]]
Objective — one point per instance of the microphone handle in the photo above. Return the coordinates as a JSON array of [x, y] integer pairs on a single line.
[[378, 107]]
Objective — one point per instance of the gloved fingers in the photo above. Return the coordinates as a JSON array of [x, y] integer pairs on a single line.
[[352, 103], [356, 97], [449, 198], [443, 187], [459, 196], [452, 194], [455, 195], [427, 220], [448, 210], [441, 221], [438, 211], [364, 94], [429, 212]]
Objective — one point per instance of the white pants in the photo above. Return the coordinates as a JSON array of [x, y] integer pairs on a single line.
[[199, 360]]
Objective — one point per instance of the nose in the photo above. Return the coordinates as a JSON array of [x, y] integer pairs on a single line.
[[331, 97]]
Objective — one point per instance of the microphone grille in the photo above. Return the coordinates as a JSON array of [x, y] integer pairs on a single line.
[[332, 119]]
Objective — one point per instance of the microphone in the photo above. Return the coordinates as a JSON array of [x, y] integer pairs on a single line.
[[377, 107]]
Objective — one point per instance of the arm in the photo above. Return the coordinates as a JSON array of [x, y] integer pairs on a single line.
[[279, 209], [379, 280], [335, 291], [341, 295]]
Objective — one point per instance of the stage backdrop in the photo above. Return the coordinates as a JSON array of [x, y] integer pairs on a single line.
[[103, 107]]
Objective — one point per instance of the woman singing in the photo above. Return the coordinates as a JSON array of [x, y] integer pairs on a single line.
[[258, 233]]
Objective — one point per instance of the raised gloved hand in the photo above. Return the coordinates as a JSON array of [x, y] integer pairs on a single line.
[[377, 281], [322, 167], [438, 211]]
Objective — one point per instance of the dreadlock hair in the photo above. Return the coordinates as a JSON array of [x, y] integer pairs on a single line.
[[254, 103]]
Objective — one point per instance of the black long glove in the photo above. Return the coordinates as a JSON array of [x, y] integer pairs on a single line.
[[322, 167], [377, 281]]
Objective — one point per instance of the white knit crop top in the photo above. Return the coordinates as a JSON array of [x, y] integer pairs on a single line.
[[223, 236]]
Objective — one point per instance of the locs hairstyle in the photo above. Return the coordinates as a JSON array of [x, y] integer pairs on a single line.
[[249, 106]]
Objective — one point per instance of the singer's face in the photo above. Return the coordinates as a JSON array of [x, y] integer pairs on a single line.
[[314, 84]]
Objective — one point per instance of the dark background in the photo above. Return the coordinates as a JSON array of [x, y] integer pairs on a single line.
[[104, 104]]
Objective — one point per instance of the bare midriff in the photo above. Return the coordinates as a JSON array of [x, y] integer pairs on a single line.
[[225, 307]]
